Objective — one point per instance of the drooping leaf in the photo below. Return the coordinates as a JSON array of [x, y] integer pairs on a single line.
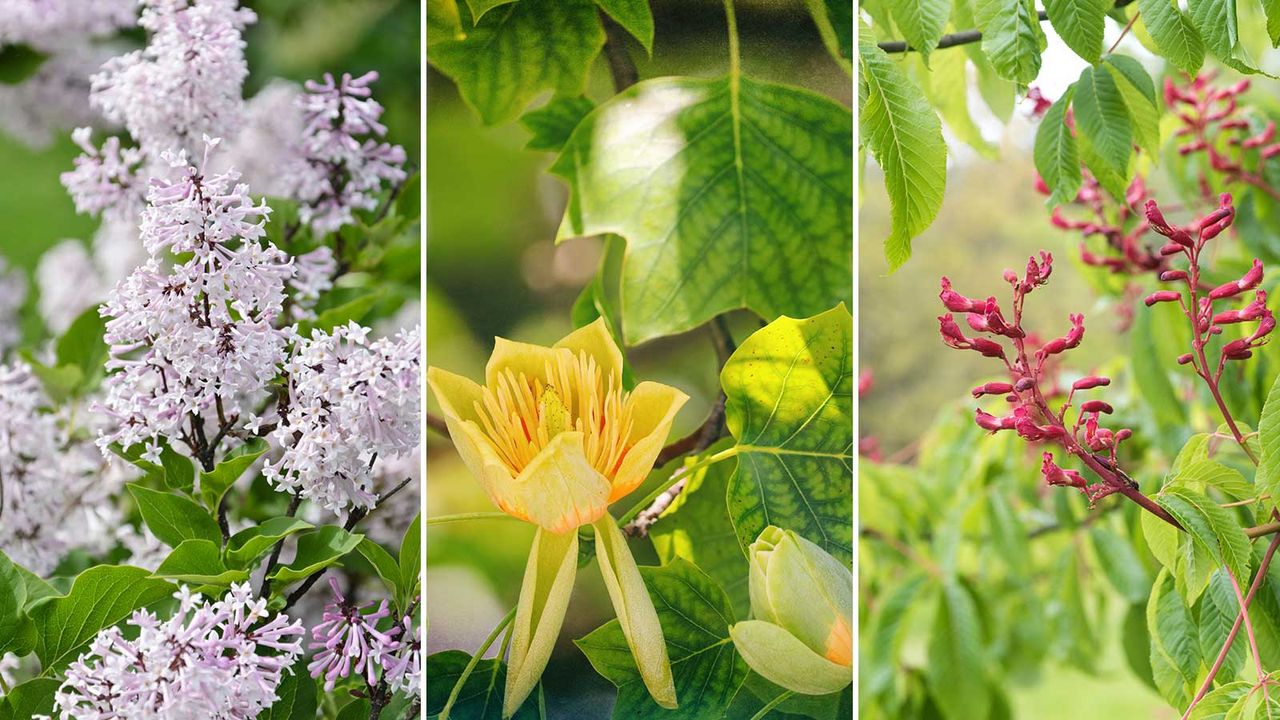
[[1175, 648], [1217, 613], [99, 598], [946, 84], [1055, 153], [1011, 37], [634, 16], [789, 390], [1216, 22], [1103, 119], [1267, 479], [1173, 33], [695, 617], [921, 22], [516, 51], [835, 25], [903, 133], [729, 195], [1079, 23], [1210, 525], [1139, 94], [956, 657], [1120, 563], [173, 518]]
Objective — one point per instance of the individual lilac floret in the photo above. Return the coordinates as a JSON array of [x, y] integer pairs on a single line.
[[186, 82], [221, 659], [349, 640], [351, 402], [402, 666], [343, 162], [198, 337]]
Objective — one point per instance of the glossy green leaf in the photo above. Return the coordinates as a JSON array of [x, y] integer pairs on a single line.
[[249, 544], [296, 696], [385, 565], [198, 562], [13, 599], [899, 126], [1079, 23], [1056, 157], [214, 485], [1217, 704], [1139, 94], [481, 695], [317, 550], [410, 559], [1011, 37], [921, 22], [729, 196], [789, 397], [81, 345], [100, 597], [1216, 22], [695, 617], [519, 50], [1267, 479], [1217, 611], [1173, 33], [173, 518], [31, 698], [353, 310], [18, 62]]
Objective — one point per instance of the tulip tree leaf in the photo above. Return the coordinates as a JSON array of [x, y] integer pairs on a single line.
[[695, 616], [515, 51], [553, 123], [789, 404], [634, 16], [697, 527], [903, 133], [100, 597], [481, 695], [727, 198]]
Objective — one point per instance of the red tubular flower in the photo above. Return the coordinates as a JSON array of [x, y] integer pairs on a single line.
[[992, 388], [991, 423], [955, 302], [1067, 342], [1090, 382], [1160, 296], [1250, 281], [1055, 475], [1096, 406]]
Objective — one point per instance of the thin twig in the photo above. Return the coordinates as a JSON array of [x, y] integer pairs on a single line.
[[963, 37], [1124, 32], [294, 503]]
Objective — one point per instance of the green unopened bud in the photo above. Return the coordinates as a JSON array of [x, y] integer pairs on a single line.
[[802, 604]]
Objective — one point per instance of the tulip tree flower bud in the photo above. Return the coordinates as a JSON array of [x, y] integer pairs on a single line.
[[799, 636]]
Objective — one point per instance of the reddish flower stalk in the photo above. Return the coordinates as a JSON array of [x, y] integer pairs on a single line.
[[1121, 225], [1199, 307], [1032, 417], [1213, 125]]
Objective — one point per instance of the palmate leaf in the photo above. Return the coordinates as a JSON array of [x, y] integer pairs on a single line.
[[789, 404], [695, 617], [519, 49], [1173, 33], [1103, 119], [1175, 649], [1211, 526], [903, 133], [634, 16], [1056, 156], [727, 198], [1218, 608], [956, 657]]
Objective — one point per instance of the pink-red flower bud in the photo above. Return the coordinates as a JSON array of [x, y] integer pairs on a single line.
[[991, 423], [1055, 475], [1097, 406], [1184, 358], [955, 302], [992, 388], [1249, 281], [1162, 296], [1090, 382], [1024, 384], [1172, 275]]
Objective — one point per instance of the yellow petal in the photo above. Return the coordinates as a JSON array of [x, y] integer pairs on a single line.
[[544, 598], [654, 407], [783, 660], [518, 357], [559, 490], [456, 394], [596, 342], [636, 614]]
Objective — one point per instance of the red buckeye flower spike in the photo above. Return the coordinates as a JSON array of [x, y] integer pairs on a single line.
[[1214, 127]]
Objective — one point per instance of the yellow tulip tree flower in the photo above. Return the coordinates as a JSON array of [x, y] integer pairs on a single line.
[[554, 438]]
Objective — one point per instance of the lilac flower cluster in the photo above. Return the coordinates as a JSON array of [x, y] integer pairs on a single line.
[[349, 642], [339, 173], [199, 336], [54, 492], [46, 23], [221, 660], [13, 293], [185, 84], [351, 402], [312, 277]]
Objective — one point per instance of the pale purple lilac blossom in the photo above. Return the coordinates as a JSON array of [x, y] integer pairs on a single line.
[[106, 181], [46, 23], [402, 666], [351, 402], [349, 641], [193, 338], [13, 293], [344, 163], [221, 660]]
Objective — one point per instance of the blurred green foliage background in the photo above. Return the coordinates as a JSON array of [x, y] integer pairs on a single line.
[[493, 269]]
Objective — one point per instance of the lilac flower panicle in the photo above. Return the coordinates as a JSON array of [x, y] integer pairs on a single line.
[[195, 336], [339, 171], [313, 277], [48, 24], [221, 660], [349, 642], [107, 180], [351, 402], [402, 666]]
